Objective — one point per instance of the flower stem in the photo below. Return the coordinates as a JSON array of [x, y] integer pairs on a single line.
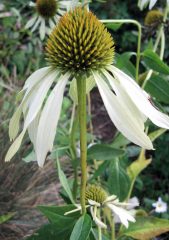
[[81, 89], [113, 230], [99, 229], [130, 21]]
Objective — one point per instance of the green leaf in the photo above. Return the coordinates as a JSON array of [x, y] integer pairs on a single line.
[[100, 170], [103, 152], [154, 62], [157, 133], [52, 232], [6, 217], [118, 181], [158, 87], [120, 141], [123, 62], [113, 26], [58, 210], [146, 228], [82, 228], [64, 181]]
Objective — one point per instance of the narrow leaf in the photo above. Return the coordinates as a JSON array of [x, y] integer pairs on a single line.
[[64, 181]]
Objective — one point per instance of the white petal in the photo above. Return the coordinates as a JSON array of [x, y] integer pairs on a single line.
[[123, 214], [140, 98], [31, 22], [126, 100], [96, 219], [31, 88], [36, 77], [42, 29], [167, 2], [36, 24], [49, 120], [51, 24], [142, 3], [121, 117], [37, 102], [32, 130], [133, 202], [152, 3], [32, 4], [93, 203], [15, 146]]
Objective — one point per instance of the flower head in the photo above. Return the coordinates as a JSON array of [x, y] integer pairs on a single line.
[[153, 17], [160, 206], [47, 14], [80, 46], [80, 43], [97, 198]]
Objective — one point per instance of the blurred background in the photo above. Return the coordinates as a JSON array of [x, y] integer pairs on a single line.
[[22, 184]]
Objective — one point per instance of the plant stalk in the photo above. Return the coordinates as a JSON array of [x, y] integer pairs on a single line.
[[130, 21], [81, 89]]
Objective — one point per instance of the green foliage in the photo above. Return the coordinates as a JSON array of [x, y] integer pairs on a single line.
[[146, 228]]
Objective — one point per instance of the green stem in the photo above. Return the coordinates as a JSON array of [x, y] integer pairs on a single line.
[[81, 89], [113, 230], [99, 228], [160, 36], [130, 21]]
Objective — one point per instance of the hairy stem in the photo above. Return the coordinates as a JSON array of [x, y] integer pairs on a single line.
[[81, 88], [113, 230]]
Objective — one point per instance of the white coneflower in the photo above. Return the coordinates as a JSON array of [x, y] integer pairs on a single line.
[[80, 46], [97, 199], [47, 14], [160, 206], [143, 3]]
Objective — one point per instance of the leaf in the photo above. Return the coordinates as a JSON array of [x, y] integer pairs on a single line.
[[138, 165], [154, 135], [82, 228], [103, 152], [154, 62], [52, 232], [158, 87], [123, 62], [64, 181], [146, 228], [6, 217], [31, 157], [118, 181], [59, 210], [120, 141], [113, 26], [99, 170]]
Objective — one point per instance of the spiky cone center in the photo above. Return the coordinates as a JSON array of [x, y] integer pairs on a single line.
[[80, 43], [153, 17], [95, 193], [46, 8]]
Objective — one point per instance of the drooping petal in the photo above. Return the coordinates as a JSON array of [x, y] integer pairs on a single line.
[[35, 77], [93, 203], [37, 102], [121, 117], [51, 24], [141, 99], [133, 202], [15, 146], [126, 100], [30, 87], [32, 130], [142, 3], [31, 22], [123, 214], [49, 120], [98, 222], [42, 29], [152, 3], [36, 24]]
